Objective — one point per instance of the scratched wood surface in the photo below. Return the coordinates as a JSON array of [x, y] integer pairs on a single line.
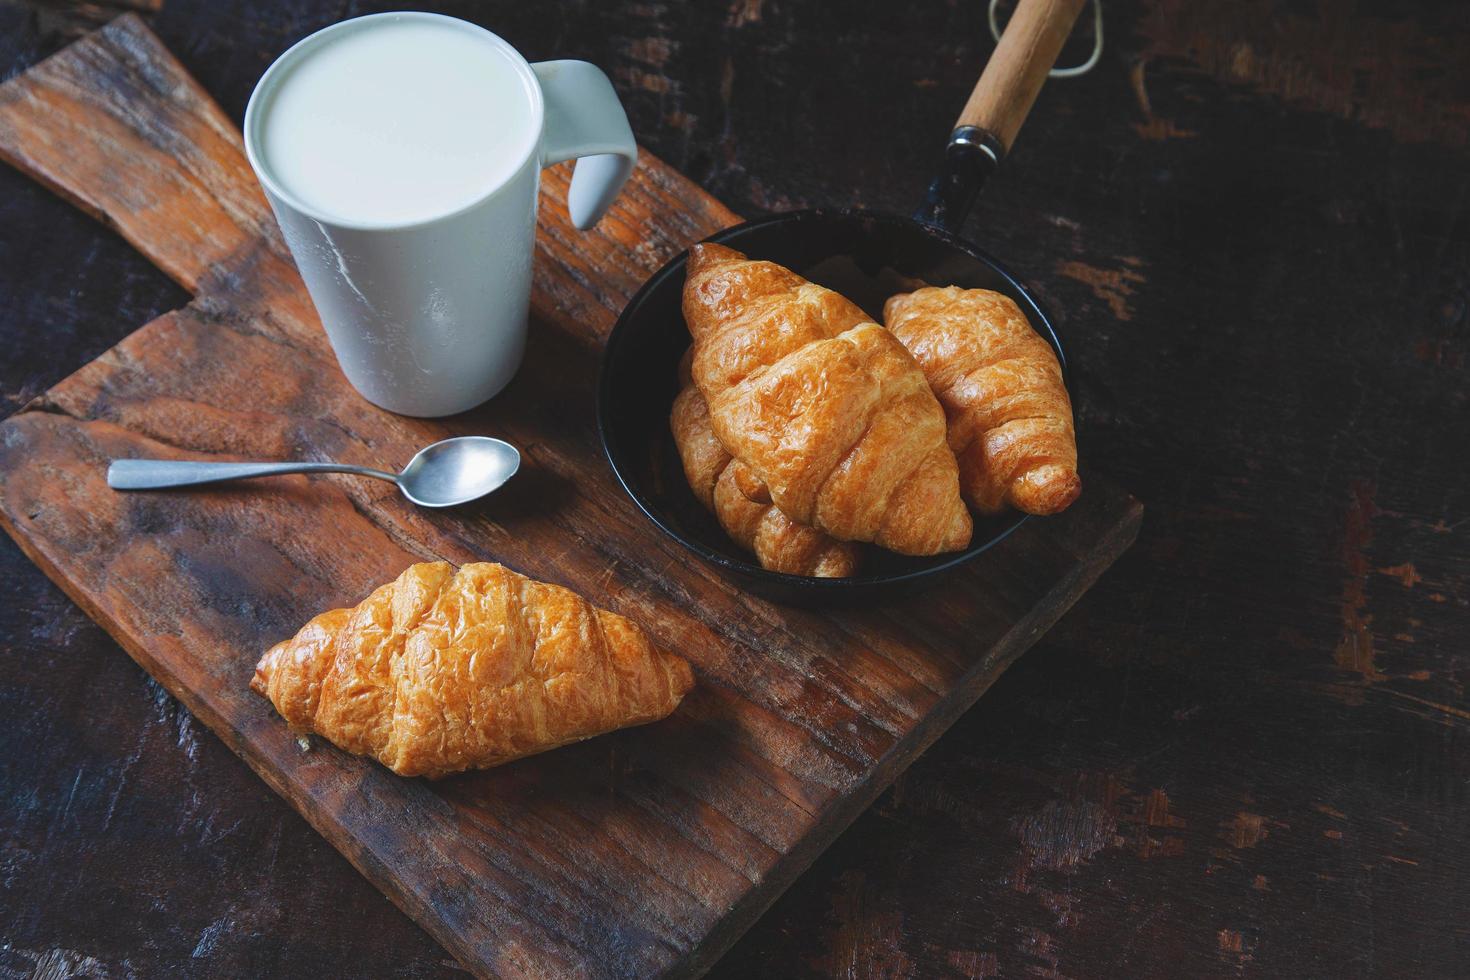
[[1242, 754], [641, 854]]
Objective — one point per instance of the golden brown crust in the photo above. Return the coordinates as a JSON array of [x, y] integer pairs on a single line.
[[1010, 420], [703, 457], [719, 482], [444, 670], [825, 408]]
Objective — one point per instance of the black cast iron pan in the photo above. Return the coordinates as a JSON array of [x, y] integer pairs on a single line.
[[865, 255]]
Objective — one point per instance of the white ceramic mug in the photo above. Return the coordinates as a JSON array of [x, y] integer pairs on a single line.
[[423, 279]]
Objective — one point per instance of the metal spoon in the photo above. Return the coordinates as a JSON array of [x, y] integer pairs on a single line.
[[446, 473]]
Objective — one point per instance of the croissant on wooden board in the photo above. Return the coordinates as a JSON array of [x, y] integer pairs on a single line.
[[824, 407], [1010, 420], [443, 670], [742, 506]]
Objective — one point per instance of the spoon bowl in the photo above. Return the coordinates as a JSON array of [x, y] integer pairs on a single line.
[[456, 471]]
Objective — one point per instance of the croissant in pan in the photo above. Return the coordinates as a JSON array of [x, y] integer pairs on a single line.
[[1010, 420], [443, 670], [743, 508], [825, 408]]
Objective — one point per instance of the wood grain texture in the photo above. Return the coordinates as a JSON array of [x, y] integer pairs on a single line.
[[1259, 261], [73, 18], [645, 852]]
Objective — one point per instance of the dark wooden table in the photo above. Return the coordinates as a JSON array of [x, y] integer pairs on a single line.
[[1244, 753]]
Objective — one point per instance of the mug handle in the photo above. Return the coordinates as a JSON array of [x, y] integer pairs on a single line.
[[585, 120]]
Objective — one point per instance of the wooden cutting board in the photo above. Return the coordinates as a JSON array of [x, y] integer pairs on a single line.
[[645, 852]]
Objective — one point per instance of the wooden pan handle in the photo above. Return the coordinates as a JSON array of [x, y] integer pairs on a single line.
[[1027, 51]]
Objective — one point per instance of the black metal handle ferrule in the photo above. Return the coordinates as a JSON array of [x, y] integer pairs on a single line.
[[970, 158]]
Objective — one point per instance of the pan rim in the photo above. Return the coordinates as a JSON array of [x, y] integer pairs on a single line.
[[749, 569]]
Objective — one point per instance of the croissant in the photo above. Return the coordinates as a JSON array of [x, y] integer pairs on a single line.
[[443, 670], [1010, 420], [825, 408], [721, 484]]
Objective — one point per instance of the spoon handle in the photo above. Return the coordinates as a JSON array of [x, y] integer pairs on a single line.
[[158, 474]]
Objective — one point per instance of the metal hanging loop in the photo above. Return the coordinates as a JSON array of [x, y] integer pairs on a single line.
[[1073, 72]]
